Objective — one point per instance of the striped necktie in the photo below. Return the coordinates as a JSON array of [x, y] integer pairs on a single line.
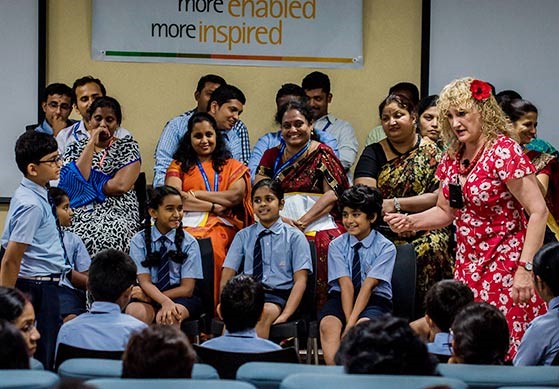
[[163, 272], [257, 266], [356, 267]]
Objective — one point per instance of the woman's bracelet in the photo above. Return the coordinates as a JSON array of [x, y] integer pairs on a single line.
[[212, 208]]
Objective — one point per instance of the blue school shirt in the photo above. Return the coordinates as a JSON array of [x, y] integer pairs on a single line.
[[377, 257], [77, 255], [241, 342], [190, 268], [30, 220], [442, 344], [284, 251], [540, 343]]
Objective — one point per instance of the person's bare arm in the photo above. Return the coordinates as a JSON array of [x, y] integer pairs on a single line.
[[227, 198], [11, 263], [322, 207], [295, 297], [226, 274], [185, 289], [361, 301], [123, 180], [411, 204]]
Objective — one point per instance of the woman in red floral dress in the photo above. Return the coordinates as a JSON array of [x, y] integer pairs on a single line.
[[486, 185]]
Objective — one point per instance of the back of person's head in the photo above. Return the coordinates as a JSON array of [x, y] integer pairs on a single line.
[[384, 345], [12, 303], [407, 89], [316, 80], [56, 89], [111, 273], [31, 146], [13, 350], [546, 266], [87, 80], [507, 95], [209, 78], [106, 102], [225, 93], [241, 304], [363, 198], [481, 335], [517, 108], [444, 300], [402, 101], [290, 89], [158, 352], [57, 195]]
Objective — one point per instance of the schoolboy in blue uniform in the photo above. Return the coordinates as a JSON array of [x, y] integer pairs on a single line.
[[274, 253], [360, 265], [34, 260]]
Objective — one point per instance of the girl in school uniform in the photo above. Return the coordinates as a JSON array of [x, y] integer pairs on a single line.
[[168, 261], [360, 265], [274, 253]]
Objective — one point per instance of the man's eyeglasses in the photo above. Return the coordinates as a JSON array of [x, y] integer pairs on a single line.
[[56, 159], [63, 106]]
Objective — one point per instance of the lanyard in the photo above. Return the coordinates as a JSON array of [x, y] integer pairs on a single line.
[[74, 129], [288, 162], [205, 177]]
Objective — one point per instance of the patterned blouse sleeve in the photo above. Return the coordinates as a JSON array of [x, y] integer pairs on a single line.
[[333, 171], [129, 151], [174, 170], [266, 165]]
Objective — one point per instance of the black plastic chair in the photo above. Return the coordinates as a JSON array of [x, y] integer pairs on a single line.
[[66, 352], [227, 363], [404, 282]]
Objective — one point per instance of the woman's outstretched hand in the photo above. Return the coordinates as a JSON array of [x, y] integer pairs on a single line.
[[399, 222]]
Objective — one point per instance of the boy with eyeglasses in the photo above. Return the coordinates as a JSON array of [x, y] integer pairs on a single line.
[[34, 259], [57, 107]]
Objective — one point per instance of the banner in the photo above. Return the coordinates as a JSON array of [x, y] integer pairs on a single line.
[[306, 33]]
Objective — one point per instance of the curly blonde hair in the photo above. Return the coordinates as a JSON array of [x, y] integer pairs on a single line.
[[458, 95]]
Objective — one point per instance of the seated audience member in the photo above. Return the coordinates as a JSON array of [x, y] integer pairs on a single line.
[[112, 275], [481, 335], [317, 88], [428, 120], [85, 91], [360, 265], [16, 308], [158, 352], [406, 89], [287, 93], [72, 289], [442, 302], [540, 344], [169, 263], [241, 306], [274, 253], [384, 345], [13, 350], [176, 128], [57, 107]]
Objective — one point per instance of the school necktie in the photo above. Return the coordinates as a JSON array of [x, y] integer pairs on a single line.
[[163, 272], [58, 227], [257, 266], [356, 266]]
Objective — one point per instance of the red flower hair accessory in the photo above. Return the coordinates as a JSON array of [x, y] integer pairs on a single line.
[[480, 90]]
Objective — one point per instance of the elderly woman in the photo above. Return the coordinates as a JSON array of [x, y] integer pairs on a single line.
[[302, 164], [215, 188], [486, 184], [99, 175], [524, 117], [402, 166]]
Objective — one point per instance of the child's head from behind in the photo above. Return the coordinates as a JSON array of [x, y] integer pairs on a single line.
[[13, 353], [111, 276], [444, 300], [62, 203], [242, 302], [37, 156], [546, 271], [481, 335], [165, 207], [361, 208], [384, 345], [267, 201], [158, 352]]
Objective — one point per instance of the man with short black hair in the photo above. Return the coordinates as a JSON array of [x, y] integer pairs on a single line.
[[57, 106]]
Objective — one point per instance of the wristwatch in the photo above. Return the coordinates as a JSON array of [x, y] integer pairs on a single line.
[[397, 205], [526, 265]]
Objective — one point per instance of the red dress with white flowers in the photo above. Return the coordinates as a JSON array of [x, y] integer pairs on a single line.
[[490, 231]]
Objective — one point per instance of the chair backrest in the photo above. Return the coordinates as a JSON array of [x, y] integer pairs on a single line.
[[359, 381], [22, 379], [404, 282], [66, 352], [205, 286], [116, 383], [487, 376], [227, 363], [308, 303], [36, 364], [555, 361], [269, 375], [140, 187], [88, 369]]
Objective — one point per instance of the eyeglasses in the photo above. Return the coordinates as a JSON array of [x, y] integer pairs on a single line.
[[56, 159], [63, 106]]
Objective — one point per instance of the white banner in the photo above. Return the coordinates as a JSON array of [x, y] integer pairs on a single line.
[[309, 33]]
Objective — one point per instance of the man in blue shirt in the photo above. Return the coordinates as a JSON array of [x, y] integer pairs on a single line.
[[176, 128], [34, 260], [57, 106], [112, 275], [242, 302]]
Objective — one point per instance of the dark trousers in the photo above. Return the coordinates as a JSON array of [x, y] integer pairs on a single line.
[[45, 300]]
